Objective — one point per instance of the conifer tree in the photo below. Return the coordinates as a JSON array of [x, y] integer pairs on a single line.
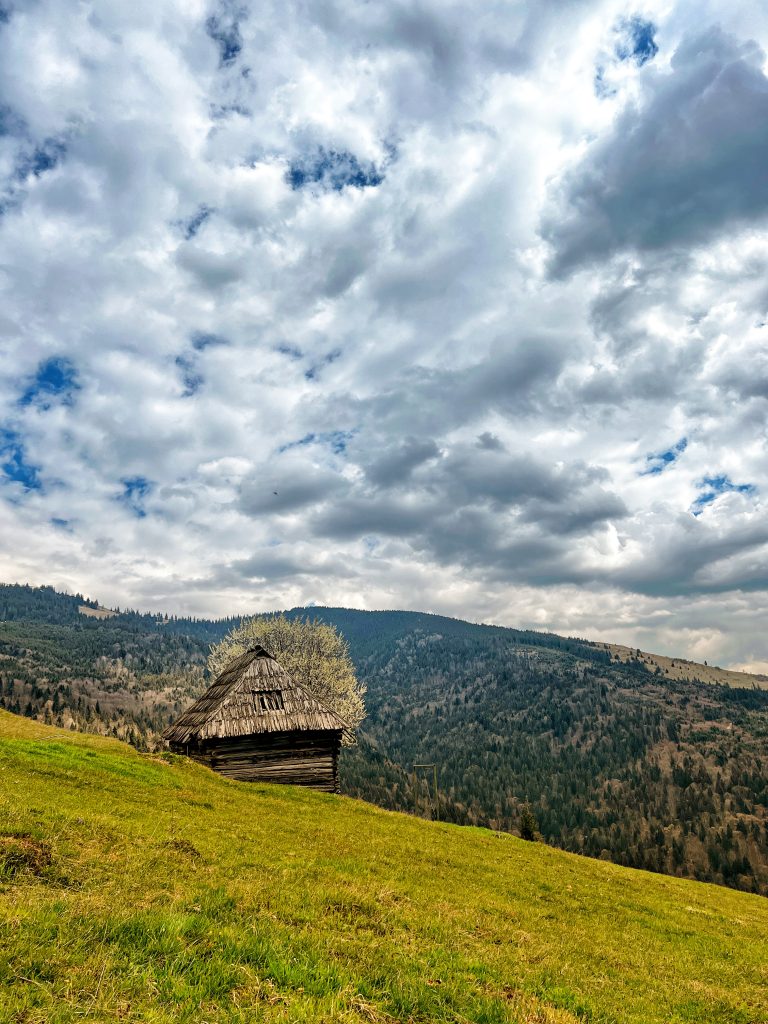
[[528, 824]]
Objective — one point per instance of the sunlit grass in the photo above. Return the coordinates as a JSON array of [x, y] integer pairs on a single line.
[[171, 894]]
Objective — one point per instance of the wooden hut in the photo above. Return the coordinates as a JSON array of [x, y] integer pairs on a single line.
[[255, 723]]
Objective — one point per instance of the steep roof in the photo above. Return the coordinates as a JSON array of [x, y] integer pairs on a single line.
[[254, 694]]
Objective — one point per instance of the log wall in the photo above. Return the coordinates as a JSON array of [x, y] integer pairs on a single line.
[[292, 758]]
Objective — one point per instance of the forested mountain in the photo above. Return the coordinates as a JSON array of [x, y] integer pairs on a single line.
[[615, 760]]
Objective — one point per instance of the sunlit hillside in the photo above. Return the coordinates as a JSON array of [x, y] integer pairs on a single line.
[[682, 668], [146, 888]]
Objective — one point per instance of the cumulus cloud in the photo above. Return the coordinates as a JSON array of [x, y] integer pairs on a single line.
[[396, 465], [286, 485], [291, 312], [682, 162]]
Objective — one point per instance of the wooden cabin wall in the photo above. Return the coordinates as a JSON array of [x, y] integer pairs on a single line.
[[293, 758]]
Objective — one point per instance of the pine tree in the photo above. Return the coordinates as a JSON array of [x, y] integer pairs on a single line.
[[528, 824]]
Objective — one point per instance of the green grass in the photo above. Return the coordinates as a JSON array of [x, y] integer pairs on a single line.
[[135, 888]]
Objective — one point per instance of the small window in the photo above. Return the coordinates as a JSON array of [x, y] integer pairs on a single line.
[[270, 700]]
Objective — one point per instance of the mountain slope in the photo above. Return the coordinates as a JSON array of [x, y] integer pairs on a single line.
[[667, 775], [140, 888], [616, 760], [682, 668]]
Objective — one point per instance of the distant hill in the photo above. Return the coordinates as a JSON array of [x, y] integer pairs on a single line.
[[139, 888], [616, 759], [364, 631]]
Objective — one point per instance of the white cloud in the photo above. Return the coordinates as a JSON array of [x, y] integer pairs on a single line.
[[446, 426]]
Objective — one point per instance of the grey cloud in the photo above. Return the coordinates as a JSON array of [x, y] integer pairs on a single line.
[[471, 476], [745, 374], [275, 563], [489, 442], [690, 561], [579, 515], [441, 51], [485, 509], [454, 41], [211, 270], [476, 537], [396, 465], [288, 487], [514, 373], [424, 29], [620, 310], [370, 516], [627, 316], [269, 565], [346, 265], [517, 53], [515, 378], [680, 166]]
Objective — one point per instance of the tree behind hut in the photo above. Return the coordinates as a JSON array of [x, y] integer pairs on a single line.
[[314, 653]]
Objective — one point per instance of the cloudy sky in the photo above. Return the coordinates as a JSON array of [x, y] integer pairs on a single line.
[[453, 306]]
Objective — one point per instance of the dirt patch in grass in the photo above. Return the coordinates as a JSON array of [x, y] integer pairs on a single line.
[[23, 854], [184, 847]]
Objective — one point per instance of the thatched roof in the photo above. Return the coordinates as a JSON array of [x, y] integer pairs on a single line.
[[253, 695]]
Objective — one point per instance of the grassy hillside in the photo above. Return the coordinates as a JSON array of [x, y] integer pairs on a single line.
[[140, 888], [681, 668]]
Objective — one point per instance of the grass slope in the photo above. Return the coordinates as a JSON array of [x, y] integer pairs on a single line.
[[681, 668], [139, 888]]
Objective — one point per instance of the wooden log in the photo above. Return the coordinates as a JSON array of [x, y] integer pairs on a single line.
[[299, 758]]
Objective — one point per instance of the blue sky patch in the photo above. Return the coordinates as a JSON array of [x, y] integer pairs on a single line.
[[312, 372], [193, 225], [639, 42], [10, 122], [44, 157], [659, 461], [190, 375], [204, 339], [713, 486], [55, 379], [135, 490], [60, 524], [13, 461], [603, 89], [292, 351], [225, 32], [337, 440], [333, 170]]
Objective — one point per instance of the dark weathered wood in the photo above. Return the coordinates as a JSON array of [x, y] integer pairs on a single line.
[[255, 724], [292, 758]]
